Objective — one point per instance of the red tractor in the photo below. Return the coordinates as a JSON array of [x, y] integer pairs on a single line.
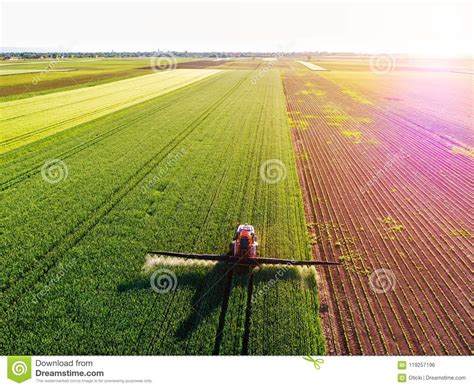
[[245, 242]]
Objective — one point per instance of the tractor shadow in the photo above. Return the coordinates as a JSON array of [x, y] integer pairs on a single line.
[[211, 290]]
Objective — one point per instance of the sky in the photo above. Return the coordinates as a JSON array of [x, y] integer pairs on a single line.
[[423, 28]]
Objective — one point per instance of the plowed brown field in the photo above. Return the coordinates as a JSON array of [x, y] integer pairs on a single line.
[[387, 182]]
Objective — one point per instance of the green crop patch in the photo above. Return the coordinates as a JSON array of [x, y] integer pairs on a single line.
[[27, 120]]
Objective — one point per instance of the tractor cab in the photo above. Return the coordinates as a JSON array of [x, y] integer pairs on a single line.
[[245, 242]]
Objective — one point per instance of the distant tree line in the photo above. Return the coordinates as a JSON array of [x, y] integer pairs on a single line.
[[117, 54]]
